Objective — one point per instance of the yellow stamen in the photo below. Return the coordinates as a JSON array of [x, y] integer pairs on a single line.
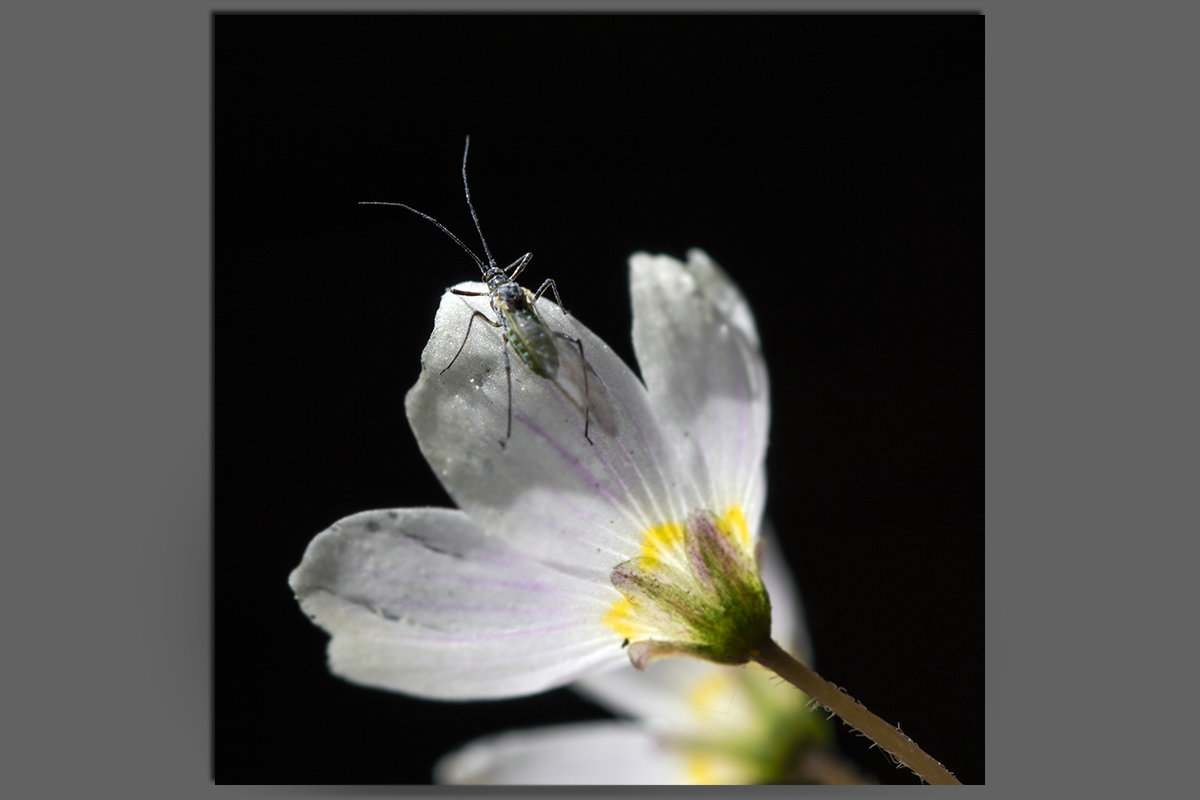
[[666, 542], [700, 771], [735, 520], [620, 618], [658, 540], [712, 694]]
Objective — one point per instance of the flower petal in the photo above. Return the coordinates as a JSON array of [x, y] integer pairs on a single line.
[[421, 601], [585, 753], [698, 351], [545, 489]]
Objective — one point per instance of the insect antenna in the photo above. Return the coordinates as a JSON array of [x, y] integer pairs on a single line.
[[440, 226], [470, 205]]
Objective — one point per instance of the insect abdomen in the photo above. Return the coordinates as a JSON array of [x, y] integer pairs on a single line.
[[532, 341]]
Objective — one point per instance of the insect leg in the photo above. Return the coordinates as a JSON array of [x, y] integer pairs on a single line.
[[550, 284], [484, 317], [520, 264], [587, 406], [508, 376]]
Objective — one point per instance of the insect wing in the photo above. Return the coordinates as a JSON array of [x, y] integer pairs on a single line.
[[577, 380], [531, 340]]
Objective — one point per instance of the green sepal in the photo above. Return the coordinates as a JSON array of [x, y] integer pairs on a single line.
[[713, 606]]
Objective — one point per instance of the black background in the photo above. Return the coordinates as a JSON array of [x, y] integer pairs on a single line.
[[832, 164]]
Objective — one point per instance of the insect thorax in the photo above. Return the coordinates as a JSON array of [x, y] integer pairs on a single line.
[[512, 295], [496, 280]]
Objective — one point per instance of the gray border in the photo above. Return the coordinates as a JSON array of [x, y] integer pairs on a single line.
[[107, 115]]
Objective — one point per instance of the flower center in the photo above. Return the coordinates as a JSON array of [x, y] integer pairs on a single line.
[[694, 590]]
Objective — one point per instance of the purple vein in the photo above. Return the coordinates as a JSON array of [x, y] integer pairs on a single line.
[[497, 635], [605, 361], [586, 515], [586, 474]]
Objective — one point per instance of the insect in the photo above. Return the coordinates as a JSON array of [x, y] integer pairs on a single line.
[[516, 313]]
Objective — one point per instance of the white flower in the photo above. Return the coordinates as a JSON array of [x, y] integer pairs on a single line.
[[566, 557], [696, 723]]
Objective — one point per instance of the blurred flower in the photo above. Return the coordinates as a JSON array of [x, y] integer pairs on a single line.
[[567, 557]]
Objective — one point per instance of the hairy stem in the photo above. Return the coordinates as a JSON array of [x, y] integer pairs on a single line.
[[854, 713]]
